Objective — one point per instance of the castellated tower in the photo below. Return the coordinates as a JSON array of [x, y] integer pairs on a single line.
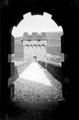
[[34, 45], [46, 46]]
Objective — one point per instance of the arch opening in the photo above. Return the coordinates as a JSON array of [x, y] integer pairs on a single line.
[[40, 32], [40, 37]]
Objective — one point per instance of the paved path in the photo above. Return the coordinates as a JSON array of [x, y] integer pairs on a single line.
[[35, 101], [32, 94]]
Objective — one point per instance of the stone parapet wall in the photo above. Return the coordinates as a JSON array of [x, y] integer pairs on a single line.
[[35, 35], [43, 35]]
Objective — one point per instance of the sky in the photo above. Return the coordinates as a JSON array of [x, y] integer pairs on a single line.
[[36, 23]]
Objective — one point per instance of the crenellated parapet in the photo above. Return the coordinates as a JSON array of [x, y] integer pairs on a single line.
[[35, 36]]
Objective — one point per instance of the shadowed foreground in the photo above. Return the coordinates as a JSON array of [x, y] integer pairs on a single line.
[[36, 101], [33, 98]]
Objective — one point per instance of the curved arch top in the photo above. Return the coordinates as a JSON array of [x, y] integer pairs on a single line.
[[36, 23]]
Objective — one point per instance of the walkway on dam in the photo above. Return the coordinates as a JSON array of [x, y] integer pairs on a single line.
[[35, 97]]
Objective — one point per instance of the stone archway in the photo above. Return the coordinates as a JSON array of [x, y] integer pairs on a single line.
[[12, 20]]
